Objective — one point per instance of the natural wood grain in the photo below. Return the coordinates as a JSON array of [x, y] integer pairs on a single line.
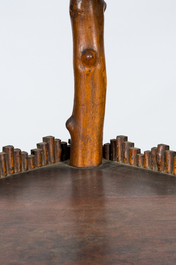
[[126, 151], [161, 157], [86, 123], [38, 156], [140, 160], [51, 148], [31, 162], [113, 150], [106, 151], [169, 161], [9, 150], [147, 159], [24, 160], [154, 158], [17, 160], [3, 167], [133, 155], [58, 150], [64, 154], [109, 215], [44, 147], [119, 147]]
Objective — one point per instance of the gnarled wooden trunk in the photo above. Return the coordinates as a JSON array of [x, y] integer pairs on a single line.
[[86, 123]]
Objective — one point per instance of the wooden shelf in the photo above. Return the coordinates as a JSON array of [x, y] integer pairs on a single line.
[[111, 214]]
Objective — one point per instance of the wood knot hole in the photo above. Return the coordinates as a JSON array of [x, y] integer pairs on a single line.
[[89, 58]]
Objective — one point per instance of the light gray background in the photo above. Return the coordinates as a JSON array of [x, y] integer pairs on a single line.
[[36, 76]]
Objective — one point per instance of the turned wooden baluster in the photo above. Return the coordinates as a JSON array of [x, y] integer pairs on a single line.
[[86, 123]]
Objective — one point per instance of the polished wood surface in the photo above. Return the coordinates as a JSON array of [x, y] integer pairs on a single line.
[[159, 158], [112, 214], [51, 150], [86, 123]]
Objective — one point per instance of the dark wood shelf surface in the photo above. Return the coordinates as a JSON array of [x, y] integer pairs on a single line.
[[112, 214]]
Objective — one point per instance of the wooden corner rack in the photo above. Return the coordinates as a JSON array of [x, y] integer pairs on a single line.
[[87, 203], [53, 150]]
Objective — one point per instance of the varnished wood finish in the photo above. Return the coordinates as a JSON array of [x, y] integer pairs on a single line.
[[9, 150], [133, 155], [147, 159], [38, 156], [161, 157], [119, 147], [154, 158], [31, 162], [109, 215], [44, 147], [58, 150], [68, 151], [126, 151], [140, 160], [174, 166], [3, 168], [86, 123], [113, 150], [106, 151], [24, 159], [17, 160], [169, 161], [51, 148], [64, 151]]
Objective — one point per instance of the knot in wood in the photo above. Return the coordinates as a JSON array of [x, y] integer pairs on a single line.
[[89, 58]]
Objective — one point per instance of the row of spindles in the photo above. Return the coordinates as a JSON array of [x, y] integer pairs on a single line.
[[159, 158], [48, 152]]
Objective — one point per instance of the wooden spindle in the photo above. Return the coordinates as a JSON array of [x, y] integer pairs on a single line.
[[58, 150], [113, 150], [119, 147], [44, 147], [38, 156], [106, 151], [169, 161], [9, 150], [126, 151], [161, 157], [64, 151], [154, 158], [24, 161], [3, 168], [133, 155], [17, 160], [147, 159], [31, 162], [86, 122], [140, 160], [51, 145], [174, 166], [68, 151]]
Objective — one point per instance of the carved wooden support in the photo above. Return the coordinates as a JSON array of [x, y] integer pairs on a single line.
[[113, 150], [24, 160], [86, 123], [119, 147], [140, 160], [133, 155], [9, 150], [3, 167], [154, 158], [106, 151], [147, 159], [17, 160]]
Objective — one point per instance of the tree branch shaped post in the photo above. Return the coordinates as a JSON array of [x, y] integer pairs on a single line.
[[86, 123]]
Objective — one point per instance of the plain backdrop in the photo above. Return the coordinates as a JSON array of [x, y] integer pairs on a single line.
[[36, 75]]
